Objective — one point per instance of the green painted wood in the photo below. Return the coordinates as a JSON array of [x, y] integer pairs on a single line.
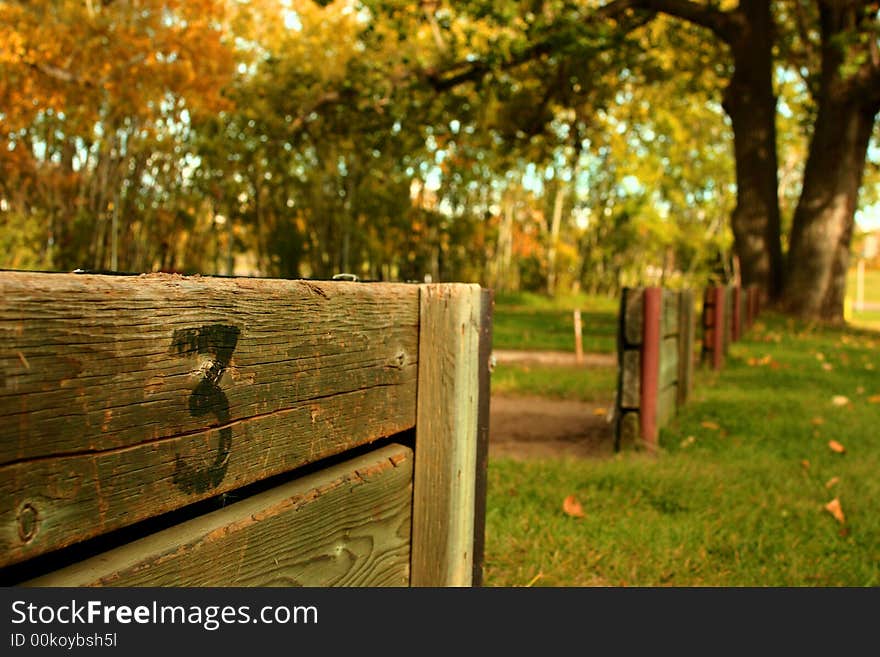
[[125, 397], [446, 435], [348, 525], [666, 404], [668, 362], [630, 373], [669, 314]]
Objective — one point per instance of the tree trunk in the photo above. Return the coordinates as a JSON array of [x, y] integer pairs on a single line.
[[555, 226], [822, 229], [751, 105]]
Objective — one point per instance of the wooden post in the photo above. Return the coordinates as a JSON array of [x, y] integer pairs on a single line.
[[578, 338], [718, 324], [686, 330], [650, 370], [446, 435], [486, 308], [736, 320]]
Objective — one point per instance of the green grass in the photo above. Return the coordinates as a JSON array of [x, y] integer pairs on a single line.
[[531, 321], [737, 505], [597, 384]]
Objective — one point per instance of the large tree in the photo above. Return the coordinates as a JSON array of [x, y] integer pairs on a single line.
[[846, 89], [847, 98]]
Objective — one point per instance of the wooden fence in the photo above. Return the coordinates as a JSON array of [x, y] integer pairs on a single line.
[[655, 347], [656, 338], [734, 310], [185, 431]]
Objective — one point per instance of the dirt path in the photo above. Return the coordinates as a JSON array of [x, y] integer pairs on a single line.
[[535, 427], [553, 358]]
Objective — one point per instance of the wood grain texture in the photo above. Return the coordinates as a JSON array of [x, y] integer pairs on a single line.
[[446, 435], [125, 397], [348, 525]]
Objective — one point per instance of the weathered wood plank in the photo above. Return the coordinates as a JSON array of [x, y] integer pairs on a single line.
[[632, 315], [665, 404], [668, 361], [446, 436], [686, 337], [628, 430], [669, 313], [630, 372], [348, 525], [124, 397], [650, 370], [728, 317], [487, 308]]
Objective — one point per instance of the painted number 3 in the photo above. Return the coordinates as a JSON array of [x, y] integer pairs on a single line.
[[217, 341]]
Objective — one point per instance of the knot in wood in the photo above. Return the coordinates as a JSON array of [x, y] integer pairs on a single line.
[[28, 519]]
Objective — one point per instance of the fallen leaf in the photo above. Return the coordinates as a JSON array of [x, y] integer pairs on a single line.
[[572, 507], [836, 447], [820, 356], [687, 442], [839, 400], [805, 464], [817, 421], [600, 411], [874, 399], [860, 390], [710, 425], [827, 367], [832, 482], [834, 508], [869, 366]]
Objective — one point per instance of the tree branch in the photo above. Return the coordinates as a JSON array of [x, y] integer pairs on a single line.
[[449, 76], [719, 22]]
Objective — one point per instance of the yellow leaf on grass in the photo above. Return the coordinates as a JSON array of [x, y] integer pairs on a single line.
[[832, 482], [834, 508], [817, 421], [805, 464], [710, 425], [874, 399], [600, 411], [572, 507], [839, 400], [836, 447], [687, 442]]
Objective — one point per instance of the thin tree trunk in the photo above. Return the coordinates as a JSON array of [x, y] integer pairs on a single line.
[[555, 227]]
